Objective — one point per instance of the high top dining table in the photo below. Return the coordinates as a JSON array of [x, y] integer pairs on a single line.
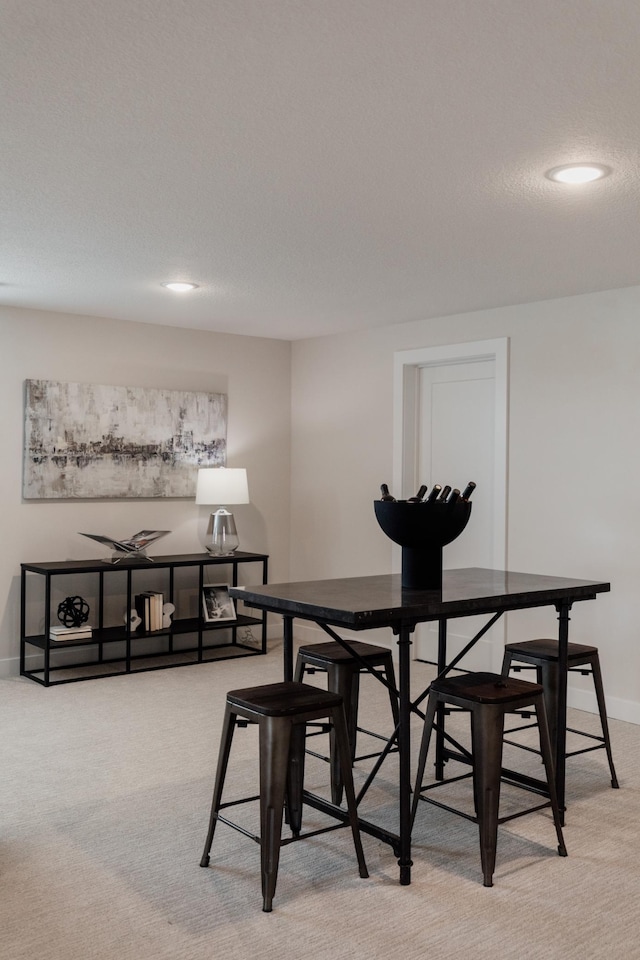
[[365, 603]]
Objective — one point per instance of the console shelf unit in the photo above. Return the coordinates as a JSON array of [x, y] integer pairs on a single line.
[[110, 660]]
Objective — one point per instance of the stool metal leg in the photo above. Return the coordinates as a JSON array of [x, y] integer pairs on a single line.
[[547, 758], [602, 709], [342, 744], [295, 777], [351, 708], [275, 739], [340, 680], [549, 679], [228, 727], [506, 663], [487, 726]]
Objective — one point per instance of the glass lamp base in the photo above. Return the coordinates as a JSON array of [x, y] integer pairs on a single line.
[[221, 551], [224, 541]]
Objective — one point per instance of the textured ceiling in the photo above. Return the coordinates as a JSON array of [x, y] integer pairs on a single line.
[[315, 165]]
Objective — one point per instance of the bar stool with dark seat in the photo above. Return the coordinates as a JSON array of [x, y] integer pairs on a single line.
[[488, 697], [281, 711], [542, 655], [343, 676]]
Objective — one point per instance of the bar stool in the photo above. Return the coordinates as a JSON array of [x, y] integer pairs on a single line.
[[488, 697], [281, 711], [343, 677], [542, 655]]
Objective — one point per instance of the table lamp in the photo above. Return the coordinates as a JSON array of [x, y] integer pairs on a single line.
[[222, 485]]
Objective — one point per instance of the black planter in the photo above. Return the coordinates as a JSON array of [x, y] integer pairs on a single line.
[[422, 530]]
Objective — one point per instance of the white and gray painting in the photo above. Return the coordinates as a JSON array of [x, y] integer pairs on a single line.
[[94, 441]]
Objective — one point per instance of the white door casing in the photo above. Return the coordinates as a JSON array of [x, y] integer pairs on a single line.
[[450, 426]]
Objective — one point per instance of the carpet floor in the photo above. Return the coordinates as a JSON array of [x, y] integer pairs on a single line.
[[105, 789]]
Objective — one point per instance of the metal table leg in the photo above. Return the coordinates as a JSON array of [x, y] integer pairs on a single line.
[[440, 710], [287, 648], [560, 746], [404, 751]]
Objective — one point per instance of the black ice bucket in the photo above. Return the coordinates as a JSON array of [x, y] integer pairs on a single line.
[[422, 530]]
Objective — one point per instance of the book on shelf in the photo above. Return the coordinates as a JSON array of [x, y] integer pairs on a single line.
[[83, 632], [143, 609], [157, 602], [149, 608]]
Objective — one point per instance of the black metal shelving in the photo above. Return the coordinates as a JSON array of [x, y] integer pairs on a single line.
[[117, 649]]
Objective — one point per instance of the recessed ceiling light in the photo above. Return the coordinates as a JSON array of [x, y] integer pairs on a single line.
[[179, 286], [578, 172]]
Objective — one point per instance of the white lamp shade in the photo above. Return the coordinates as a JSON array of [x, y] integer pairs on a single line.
[[222, 485]]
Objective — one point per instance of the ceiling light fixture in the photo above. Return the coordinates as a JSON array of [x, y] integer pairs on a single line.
[[578, 172], [179, 286]]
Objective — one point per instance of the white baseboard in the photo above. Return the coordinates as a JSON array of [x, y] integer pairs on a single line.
[[9, 667], [617, 708]]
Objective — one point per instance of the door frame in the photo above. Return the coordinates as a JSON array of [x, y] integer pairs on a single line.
[[407, 364]]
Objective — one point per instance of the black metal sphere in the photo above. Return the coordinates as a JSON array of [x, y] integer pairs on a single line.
[[73, 611]]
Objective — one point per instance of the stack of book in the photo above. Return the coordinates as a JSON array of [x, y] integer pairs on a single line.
[[149, 609], [82, 632]]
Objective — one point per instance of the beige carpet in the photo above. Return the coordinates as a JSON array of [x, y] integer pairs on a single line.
[[104, 795]]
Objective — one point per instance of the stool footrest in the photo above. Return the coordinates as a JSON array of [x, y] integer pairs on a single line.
[[521, 746], [583, 733], [471, 817], [236, 826], [600, 745], [318, 756], [236, 803], [372, 733], [314, 833], [576, 753], [513, 777], [370, 756]]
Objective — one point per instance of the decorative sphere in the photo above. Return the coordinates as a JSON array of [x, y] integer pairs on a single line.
[[73, 612]]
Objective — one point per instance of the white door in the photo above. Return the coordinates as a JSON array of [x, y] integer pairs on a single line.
[[452, 425], [455, 439]]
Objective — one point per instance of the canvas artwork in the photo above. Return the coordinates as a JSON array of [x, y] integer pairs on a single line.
[[93, 441]]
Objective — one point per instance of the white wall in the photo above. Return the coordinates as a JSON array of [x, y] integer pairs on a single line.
[[574, 424], [573, 451], [253, 372]]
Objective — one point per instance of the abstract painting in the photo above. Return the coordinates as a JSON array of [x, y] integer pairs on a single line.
[[91, 441]]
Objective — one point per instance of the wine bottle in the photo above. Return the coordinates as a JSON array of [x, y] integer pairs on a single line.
[[445, 492], [419, 495], [384, 489], [435, 490], [454, 496], [468, 490]]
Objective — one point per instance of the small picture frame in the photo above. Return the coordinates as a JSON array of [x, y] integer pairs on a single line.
[[217, 605]]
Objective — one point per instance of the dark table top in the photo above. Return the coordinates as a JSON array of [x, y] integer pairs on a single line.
[[367, 602]]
